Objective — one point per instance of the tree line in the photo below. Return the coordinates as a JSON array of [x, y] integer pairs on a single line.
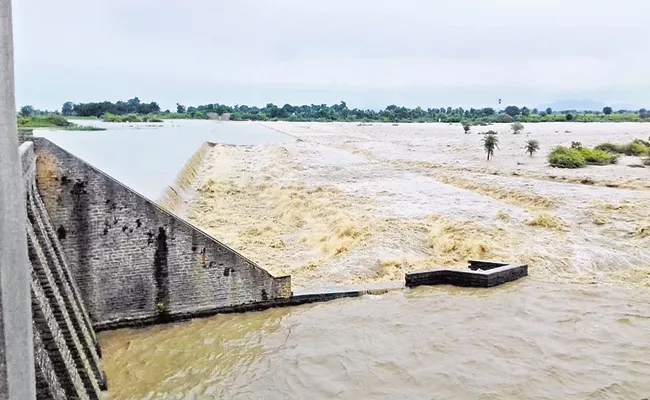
[[131, 106], [341, 112]]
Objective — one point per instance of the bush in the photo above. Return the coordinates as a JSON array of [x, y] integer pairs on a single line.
[[611, 147], [108, 117], [569, 117], [517, 127], [563, 157], [599, 157], [503, 118], [44, 121], [637, 147], [643, 142]]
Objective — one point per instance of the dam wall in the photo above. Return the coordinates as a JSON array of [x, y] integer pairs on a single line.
[[133, 261], [66, 352], [172, 197]]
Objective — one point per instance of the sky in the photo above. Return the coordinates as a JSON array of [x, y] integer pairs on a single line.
[[369, 53]]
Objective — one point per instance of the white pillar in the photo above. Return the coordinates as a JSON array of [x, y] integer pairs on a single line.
[[16, 340]]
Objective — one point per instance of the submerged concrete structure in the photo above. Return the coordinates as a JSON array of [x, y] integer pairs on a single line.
[[480, 273]]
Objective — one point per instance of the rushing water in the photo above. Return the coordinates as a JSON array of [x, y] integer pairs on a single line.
[[527, 339], [146, 157]]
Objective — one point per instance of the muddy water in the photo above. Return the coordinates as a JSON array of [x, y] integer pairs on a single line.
[[147, 156], [526, 340], [350, 204]]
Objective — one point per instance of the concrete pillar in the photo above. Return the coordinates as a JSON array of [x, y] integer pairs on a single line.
[[16, 340]]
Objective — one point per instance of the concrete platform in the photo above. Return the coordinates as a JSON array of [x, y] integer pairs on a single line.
[[480, 273]]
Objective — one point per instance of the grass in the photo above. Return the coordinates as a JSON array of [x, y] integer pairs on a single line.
[[76, 127], [44, 121], [78, 117]]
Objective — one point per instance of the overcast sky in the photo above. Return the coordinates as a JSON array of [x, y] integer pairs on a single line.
[[370, 53]]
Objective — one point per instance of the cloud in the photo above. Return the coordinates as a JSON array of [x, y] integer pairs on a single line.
[[93, 50]]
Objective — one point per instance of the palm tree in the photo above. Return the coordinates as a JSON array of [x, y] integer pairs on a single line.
[[532, 146], [517, 127], [490, 142]]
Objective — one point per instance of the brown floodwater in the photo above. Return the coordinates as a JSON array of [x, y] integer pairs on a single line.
[[528, 339]]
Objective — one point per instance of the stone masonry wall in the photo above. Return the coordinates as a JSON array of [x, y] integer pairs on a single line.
[[132, 260], [66, 352]]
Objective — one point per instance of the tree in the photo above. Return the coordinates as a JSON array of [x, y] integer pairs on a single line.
[[517, 127], [569, 117], [531, 147], [180, 108], [512, 111], [549, 111], [643, 113], [26, 111], [607, 110], [525, 111], [490, 142], [466, 127], [535, 111], [67, 108]]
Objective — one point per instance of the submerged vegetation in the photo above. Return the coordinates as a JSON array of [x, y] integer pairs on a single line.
[[53, 121], [517, 127], [563, 157], [636, 147], [108, 117], [531, 147], [577, 156], [490, 143]]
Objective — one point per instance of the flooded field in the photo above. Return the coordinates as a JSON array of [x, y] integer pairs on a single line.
[[347, 203], [343, 203]]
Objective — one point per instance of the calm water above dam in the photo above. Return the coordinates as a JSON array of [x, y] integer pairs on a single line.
[[525, 340], [147, 156]]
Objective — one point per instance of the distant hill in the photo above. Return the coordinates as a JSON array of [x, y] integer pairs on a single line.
[[586, 105]]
